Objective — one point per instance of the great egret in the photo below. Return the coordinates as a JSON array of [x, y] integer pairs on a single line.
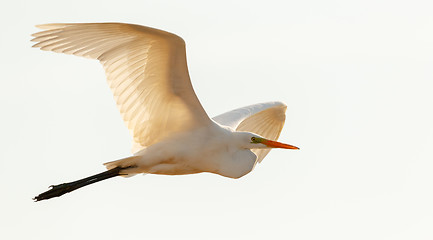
[[172, 134]]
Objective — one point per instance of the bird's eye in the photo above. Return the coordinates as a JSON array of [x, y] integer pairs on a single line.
[[253, 139]]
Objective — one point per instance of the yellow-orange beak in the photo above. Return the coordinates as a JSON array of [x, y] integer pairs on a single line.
[[274, 144]]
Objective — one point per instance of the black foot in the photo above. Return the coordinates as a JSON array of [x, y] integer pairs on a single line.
[[56, 191]]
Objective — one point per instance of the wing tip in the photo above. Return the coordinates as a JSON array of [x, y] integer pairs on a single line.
[[276, 105], [48, 29], [49, 26], [282, 104]]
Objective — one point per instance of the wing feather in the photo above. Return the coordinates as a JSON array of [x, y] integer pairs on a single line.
[[146, 70], [264, 119]]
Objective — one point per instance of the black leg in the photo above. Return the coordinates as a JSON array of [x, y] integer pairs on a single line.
[[59, 190]]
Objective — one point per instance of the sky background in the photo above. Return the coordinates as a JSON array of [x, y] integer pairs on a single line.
[[357, 77]]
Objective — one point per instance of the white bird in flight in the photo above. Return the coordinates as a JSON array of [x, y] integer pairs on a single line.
[[172, 134]]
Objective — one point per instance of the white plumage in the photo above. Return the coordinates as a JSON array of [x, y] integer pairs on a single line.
[[172, 134]]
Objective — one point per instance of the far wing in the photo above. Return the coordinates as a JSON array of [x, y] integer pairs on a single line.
[[146, 70], [264, 119]]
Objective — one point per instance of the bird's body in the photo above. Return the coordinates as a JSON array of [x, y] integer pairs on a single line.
[[185, 154], [172, 134]]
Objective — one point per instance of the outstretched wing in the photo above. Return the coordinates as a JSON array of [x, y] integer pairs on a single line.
[[146, 70], [264, 119]]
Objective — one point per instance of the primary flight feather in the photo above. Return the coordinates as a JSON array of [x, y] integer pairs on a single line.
[[172, 134]]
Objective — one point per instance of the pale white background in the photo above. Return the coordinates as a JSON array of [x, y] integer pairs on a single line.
[[357, 78]]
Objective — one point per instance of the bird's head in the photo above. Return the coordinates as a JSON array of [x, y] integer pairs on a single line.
[[253, 141]]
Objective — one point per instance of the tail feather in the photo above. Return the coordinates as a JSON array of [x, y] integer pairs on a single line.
[[128, 166]]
